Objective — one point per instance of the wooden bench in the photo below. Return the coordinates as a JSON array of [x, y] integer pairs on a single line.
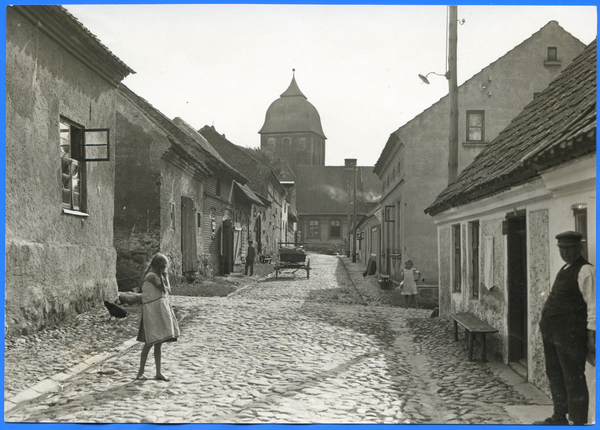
[[472, 325]]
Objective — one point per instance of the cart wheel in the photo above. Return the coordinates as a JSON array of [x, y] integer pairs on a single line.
[[307, 269]]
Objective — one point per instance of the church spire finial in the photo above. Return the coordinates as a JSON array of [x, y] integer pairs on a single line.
[[293, 73]]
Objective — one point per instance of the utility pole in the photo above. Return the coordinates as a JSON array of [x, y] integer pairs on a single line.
[[354, 220], [453, 94], [349, 228]]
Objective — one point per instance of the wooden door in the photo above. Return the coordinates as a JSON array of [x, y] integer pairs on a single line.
[[188, 236], [227, 246], [517, 289]]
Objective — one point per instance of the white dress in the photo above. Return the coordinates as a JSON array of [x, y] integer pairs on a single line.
[[158, 323], [409, 284]]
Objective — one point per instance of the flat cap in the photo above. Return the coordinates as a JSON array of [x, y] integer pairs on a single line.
[[569, 238]]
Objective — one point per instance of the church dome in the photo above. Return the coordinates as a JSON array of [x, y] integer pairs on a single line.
[[292, 113]]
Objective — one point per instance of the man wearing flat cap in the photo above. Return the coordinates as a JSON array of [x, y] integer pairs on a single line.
[[568, 327]]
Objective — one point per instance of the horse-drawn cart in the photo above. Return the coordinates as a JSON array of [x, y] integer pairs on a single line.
[[292, 256]]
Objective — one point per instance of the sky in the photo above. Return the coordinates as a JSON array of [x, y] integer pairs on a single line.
[[224, 64]]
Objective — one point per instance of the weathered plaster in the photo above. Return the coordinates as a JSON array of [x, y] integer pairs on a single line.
[[56, 264], [539, 281], [445, 238]]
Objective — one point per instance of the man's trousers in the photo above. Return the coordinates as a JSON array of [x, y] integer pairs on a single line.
[[565, 348]]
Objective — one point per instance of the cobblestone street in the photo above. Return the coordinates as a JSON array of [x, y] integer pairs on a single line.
[[292, 350]]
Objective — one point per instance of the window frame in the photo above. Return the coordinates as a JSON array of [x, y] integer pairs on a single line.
[[335, 224], [469, 126], [581, 219], [456, 260], [72, 158], [474, 241], [314, 229]]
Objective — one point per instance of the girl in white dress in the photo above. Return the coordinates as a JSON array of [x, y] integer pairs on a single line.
[[409, 277], [158, 323]]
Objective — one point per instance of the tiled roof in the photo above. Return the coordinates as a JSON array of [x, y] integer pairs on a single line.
[[324, 189], [246, 193], [557, 126], [256, 172], [207, 147], [66, 30], [175, 135]]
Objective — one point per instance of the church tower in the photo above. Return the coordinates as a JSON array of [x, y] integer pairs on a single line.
[[292, 129]]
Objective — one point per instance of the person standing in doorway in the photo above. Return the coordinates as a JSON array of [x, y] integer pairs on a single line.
[[568, 327], [250, 255]]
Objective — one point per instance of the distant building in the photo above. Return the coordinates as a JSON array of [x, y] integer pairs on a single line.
[[497, 222], [61, 89], [225, 208], [413, 166], [325, 197], [272, 219], [292, 129]]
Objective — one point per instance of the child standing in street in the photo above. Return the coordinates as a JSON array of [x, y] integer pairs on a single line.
[[409, 277], [158, 323]]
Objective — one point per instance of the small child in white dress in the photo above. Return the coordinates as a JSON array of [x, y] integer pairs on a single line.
[[409, 277]]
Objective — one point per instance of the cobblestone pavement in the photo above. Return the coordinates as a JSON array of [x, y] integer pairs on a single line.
[[292, 350]]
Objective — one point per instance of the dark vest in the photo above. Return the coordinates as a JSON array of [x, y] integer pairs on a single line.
[[566, 297]]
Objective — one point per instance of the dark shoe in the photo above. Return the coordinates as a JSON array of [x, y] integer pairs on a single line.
[[554, 420]]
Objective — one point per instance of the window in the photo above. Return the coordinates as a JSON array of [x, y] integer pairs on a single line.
[[199, 216], [456, 254], [218, 190], [286, 145], [475, 126], [474, 231], [552, 58], [580, 214], [335, 229], [72, 165], [313, 229], [78, 146]]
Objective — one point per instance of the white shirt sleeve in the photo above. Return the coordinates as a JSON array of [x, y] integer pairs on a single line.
[[587, 286]]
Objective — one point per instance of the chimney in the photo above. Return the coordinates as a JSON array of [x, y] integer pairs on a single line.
[[349, 163]]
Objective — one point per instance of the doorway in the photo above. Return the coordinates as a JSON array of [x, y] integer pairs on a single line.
[[227, 246], [517, 292], [188, 236]]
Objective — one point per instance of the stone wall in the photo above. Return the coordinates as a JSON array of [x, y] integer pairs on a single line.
[[56, 264]]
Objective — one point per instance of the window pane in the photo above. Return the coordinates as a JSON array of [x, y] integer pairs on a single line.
[[66, 181], [474, 134], [65, 138], [475, 119], [96, 144]]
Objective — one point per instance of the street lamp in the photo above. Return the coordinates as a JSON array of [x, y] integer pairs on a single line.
[[424, 78]]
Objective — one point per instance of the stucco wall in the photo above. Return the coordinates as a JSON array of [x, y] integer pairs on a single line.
[[56, 264], [491, 305], [538, 280], [175, 184], [137, 204], [445, 260]]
